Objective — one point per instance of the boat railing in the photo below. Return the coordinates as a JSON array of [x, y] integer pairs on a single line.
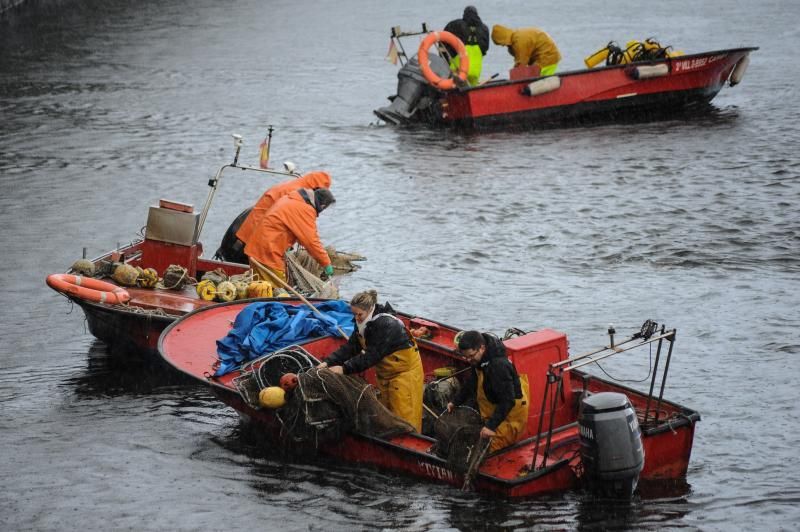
[[289, 171], [397, 36], [647, 335]]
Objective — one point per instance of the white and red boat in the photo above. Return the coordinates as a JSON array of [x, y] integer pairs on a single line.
[[571, 411], [633, 91]]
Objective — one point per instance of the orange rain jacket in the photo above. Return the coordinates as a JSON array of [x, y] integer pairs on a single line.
[[273, 194], [290, 220], [528, 45]]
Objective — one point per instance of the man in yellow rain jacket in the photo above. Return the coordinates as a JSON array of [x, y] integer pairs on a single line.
[[501, 394], [292, 219], [381, 340], [529, 46]]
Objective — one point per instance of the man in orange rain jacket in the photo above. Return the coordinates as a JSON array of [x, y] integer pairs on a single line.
[[273, 194], [529, 46], [292, 219]]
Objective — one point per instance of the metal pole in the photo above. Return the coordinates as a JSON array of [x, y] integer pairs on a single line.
[[652, 381], [664, 377], [541, 421], [554, 403]]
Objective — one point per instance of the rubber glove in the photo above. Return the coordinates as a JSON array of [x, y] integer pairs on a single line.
[[328, 271]]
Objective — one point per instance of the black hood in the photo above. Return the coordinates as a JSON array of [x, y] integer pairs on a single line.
[[494, 348], [471, 16]]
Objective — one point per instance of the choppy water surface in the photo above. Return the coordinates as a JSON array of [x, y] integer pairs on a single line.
[[108, 106]]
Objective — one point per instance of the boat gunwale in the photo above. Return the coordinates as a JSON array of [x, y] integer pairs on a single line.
[[583, 71]]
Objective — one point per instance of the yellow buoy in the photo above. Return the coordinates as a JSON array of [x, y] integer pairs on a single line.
[[148, 278], [272, 397], [444, 372], [226, 291], [207, 290], [259, 289], [241, 289]]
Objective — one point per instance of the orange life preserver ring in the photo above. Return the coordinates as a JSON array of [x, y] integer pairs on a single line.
[[88, 288], [447, 38]]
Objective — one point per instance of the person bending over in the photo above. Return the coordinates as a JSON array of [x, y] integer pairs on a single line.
[[381, 340]]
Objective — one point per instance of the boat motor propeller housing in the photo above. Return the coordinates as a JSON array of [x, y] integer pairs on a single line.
[[611, 444], [411, 88]]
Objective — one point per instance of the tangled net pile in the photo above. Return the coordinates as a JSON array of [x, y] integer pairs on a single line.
[[458, 438], [324, 406]]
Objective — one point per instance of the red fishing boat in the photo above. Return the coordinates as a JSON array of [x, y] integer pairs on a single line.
[[129, 319], [579, 424], [635, 89]]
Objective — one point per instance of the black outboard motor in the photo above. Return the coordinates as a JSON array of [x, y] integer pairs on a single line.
[[611, 444], [232, 249], [413, 91]]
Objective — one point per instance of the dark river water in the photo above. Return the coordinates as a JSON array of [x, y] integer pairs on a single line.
[[107, 106]]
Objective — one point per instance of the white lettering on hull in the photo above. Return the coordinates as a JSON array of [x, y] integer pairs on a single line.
[[437, 472]]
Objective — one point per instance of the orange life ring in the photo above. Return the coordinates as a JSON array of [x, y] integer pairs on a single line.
[[88, 288], [447, 38]]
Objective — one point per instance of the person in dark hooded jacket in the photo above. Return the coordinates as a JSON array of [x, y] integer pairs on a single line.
[[381, 340], [501, 394], [471, 30]]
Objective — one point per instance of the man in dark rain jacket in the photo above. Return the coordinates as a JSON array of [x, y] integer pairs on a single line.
[[501, 394], [471, 30]]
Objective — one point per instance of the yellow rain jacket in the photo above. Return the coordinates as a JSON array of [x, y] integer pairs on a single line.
[[388, 347], [528, 45]]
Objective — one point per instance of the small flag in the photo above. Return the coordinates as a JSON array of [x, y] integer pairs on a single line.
[[263, 154], [392, 55]]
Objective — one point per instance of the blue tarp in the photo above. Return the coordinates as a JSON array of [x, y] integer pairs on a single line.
[[262, 328]]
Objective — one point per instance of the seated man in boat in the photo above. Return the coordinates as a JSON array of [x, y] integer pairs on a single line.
[[243, 227], [529, 46], [381, 340], [292, 219], [500, 393], [471, 30]]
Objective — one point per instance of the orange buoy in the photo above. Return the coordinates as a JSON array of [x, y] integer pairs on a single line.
[[447, 38], [288, 381], [88, 288]]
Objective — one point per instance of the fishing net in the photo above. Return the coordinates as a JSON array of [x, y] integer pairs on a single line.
[[306, 282], [436, 395], [457, 436], [341, 261], [325, 406], [267, 371]]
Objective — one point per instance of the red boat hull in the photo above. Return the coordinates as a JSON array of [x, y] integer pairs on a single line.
[[133, 329], [189, 345], [610, 92]]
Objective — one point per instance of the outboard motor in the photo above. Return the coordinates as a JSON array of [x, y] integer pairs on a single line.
[[412, 89], [611, 444], [232, 249]]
